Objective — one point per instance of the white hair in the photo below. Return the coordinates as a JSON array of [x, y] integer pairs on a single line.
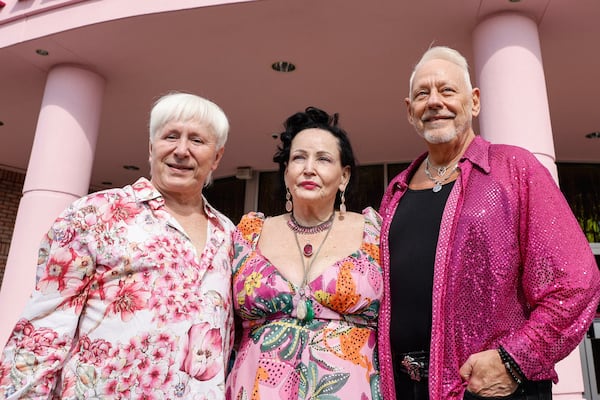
[[184, 107], [446, 54]]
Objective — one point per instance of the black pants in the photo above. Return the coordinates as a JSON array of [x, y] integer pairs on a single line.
[[528, 390], [407, 389]]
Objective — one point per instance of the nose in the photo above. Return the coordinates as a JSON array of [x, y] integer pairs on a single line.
[[434, 100], [309, 166], [181, 148]]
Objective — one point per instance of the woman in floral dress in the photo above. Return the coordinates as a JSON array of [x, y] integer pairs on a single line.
[[307, 284]]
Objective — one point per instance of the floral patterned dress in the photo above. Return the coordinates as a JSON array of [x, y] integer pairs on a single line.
[[334, 356]]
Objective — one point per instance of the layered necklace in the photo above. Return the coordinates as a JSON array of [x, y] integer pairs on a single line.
[[304, 309], [443, 174], [308, 230]]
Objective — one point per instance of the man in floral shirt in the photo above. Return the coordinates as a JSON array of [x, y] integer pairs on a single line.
[[132, 298]]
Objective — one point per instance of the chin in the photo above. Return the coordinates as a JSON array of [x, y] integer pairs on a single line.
[[439, 137]]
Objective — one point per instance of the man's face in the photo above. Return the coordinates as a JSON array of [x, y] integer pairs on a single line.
[[441, 107]]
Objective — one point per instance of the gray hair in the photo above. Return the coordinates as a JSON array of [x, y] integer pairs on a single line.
[[185, 106], [446, 54]]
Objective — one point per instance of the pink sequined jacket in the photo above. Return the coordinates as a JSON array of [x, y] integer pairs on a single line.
[[512, 268]]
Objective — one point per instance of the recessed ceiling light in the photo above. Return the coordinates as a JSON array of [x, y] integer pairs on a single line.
[[42, 52], [283, 66], [593, 135], [131, 167]]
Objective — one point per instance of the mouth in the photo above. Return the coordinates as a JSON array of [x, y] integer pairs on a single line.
[[434, 118], [309, 185], [179, 167]]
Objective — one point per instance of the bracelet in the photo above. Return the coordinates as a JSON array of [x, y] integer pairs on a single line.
[[511, 366]]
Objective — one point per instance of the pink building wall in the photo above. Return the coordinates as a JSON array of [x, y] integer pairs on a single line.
[[501, 43]]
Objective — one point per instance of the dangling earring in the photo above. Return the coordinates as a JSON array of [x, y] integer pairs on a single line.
[[288, 200], [342, 204]]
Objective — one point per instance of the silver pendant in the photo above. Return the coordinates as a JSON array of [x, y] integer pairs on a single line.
[[437, 187]]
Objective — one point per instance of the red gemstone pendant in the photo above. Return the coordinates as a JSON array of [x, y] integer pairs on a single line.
[[308, 250]]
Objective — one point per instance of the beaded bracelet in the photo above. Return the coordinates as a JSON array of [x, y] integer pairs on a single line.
[[510, 365]]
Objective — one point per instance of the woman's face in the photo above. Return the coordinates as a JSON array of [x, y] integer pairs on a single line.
[[314, 173], [182, 156]]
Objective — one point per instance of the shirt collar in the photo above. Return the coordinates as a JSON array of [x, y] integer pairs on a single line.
[[145, 192], [477, 154]]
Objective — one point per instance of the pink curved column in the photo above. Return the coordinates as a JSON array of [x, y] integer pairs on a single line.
[[514, 110], [59, 172], [510, 73]]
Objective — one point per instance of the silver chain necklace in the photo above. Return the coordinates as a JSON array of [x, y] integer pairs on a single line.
[[304, 308], [444, 173]]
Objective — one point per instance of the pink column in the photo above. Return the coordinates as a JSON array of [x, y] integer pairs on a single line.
[[514, 110], [59, 172], [510, 73]]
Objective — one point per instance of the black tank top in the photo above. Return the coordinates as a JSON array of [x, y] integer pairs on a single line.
[[412, 241]]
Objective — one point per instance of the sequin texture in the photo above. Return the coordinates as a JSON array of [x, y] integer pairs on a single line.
[[513, 268]]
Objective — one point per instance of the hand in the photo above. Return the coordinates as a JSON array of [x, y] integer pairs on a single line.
[[486, 375]]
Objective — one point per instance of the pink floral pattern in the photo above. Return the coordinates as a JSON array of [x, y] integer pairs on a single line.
[[332, 357], [124, 306], [203, 349]]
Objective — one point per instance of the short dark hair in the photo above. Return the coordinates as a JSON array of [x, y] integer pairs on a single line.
[[313, 117]]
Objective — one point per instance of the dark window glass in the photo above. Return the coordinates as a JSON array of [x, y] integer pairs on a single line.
[[271, 196], [580, 183], [227, 195]]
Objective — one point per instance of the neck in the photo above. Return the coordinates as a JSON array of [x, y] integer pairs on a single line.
[[184, 206], [448, 154], [310, 217]]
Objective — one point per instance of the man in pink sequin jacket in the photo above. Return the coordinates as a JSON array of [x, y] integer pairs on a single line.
[[490, 280]]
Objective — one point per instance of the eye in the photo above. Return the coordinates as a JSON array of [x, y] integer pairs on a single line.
[[324, 159], [197, 140], [420, 94], [297, 157]]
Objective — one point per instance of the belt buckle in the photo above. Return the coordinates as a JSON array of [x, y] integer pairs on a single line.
[[413, 367]]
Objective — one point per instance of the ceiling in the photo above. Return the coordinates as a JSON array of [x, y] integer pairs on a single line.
[[352, 57]]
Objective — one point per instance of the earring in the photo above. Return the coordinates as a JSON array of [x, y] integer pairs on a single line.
[[342, 203], [288, 200]]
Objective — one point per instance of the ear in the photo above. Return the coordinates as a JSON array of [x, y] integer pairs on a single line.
[[345, 178], [409, 112], [218, 158], [150, 151], [476, 102]]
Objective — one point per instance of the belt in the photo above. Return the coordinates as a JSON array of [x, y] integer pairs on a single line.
[[415, 364]]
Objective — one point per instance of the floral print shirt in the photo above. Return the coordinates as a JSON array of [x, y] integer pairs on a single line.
[[333, 356], [124, 306]]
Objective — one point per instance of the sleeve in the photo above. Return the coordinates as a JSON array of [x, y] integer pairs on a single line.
[[560, 278], [246, 237], [42, 338], [373, 232]]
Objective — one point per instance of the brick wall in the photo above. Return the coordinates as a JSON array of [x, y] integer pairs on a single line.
[[11, 189]]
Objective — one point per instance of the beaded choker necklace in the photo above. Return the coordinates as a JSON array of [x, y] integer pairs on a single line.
[[309, 230]]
